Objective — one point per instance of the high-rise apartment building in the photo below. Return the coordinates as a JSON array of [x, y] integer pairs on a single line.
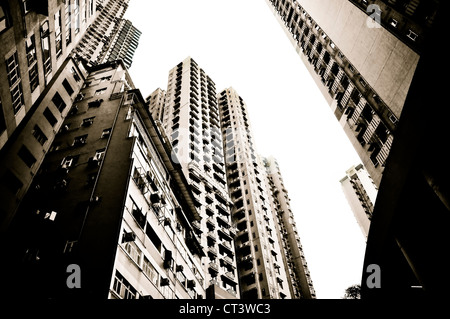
[[110, 213], [361, 193], [299, 279], [211, 136], [101, 34], [45, 57], [262, 273], [191, 120], [155, 103], [124, 44], [362, 55], [36, 37]]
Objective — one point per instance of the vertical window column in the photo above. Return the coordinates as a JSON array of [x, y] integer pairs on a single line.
[[58, 34], [15, 83], [76, 12], [33, 74], [68, 17], [45, 44]]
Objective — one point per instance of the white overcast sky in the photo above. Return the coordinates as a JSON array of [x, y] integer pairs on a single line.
[[240, 44]]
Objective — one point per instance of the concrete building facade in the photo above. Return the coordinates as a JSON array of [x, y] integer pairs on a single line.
[[155, 103], [36, 38], [261, 269], [190, 118], [361, 194], [110, 201], [299, 278], [43, 73], [98, 41], [124, 43], [362, 55]]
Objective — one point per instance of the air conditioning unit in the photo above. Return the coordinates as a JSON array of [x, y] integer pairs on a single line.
[[167, 221], [164, 282], [128, 237], [155, 198], [66, 163], [179, 268], [191, 284]]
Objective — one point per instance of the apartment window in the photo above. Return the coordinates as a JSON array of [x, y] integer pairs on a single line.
[[84, 13], [4, 18], [55, 146], [150, 271], [67, 87], [91, 7], [26, 5], [39, 135], [11, 182], [76, 12], [33, 76], [59, 102], [167, 292], [58, 34], [50, 117], [95, 103], [133, 251], [106, 133], [30, 46], [75, 74], [104, 79], [70, 161], [68, 17], [15, 85], [45, 44], [100, 91], [99, 154], [26, 156], [88, 121], [123, 288], [80, 140], [181, 278], [393, 118], [412, 35], [393, 22]]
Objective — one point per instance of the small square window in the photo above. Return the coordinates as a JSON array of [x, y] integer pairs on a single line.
[[412, 35], [59, 102], [50, 117], [393, 22], [88, 121], [95, 103], [67, 87], [26, 156], [80, 140], [39, 135], [100, 91], [106, 133]]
